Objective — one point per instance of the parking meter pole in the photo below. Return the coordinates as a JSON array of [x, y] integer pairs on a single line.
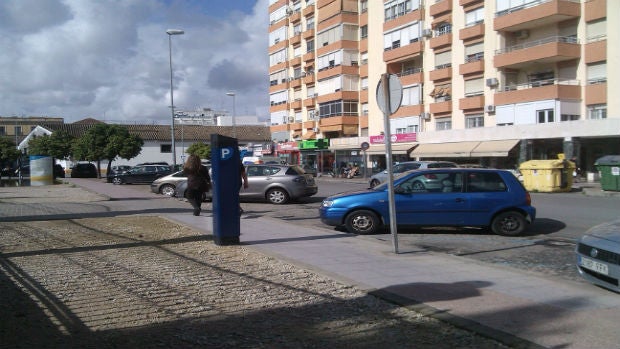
[[226, 181], [388, 160]]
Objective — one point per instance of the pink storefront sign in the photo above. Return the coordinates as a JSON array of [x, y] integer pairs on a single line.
[[396, 138]]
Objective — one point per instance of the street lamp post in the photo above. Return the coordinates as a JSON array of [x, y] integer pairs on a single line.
[[171, 32], [234, 123]]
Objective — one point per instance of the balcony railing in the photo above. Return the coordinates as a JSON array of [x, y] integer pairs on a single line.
[[539, 83], [596, 38], [409, 72], [551, 39], [474, 57], [526, 5]]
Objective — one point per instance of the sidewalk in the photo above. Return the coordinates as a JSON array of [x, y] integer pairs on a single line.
[[519, 308]]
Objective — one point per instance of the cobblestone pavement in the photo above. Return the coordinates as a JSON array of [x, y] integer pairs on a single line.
[[142, 281]]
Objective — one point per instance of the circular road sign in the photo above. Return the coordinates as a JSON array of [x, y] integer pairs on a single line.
[[395, 94]]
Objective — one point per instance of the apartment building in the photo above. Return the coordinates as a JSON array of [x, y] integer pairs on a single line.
[[492, 82]]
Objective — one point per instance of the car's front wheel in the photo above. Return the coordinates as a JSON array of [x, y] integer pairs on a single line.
[[117, 180], [362, 222], [167, 189], [277, 196], [511, 223]]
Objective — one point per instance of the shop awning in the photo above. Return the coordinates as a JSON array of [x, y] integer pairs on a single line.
[[331, 128], [494, 148], [444, 150], [397, 148], [296, 134]]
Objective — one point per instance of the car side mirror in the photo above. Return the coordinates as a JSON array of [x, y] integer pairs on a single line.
[[385, 172], [399, 190]]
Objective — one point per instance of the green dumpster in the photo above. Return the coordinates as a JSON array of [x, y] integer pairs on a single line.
[[547, 175], [609, 167]]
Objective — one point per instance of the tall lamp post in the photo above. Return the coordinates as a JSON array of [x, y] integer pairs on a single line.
[[171, 32], [234, 123]]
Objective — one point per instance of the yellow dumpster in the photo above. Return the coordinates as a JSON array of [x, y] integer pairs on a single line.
[[547, 175]]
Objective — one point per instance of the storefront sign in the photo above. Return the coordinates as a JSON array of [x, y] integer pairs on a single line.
[[395, 138]]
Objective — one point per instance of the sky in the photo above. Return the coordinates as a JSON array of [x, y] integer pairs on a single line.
[[109, 59]]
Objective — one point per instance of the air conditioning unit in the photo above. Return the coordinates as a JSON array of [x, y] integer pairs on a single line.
[[425, 116], [427, 33], [291, 119], [492, 82], [489, 108], [521, 34]]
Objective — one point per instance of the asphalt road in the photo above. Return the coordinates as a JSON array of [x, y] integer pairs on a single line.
[[546, 248]]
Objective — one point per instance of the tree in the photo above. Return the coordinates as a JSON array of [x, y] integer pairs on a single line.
[[106, 142], [58, 145], [8, 151], [202, 150]]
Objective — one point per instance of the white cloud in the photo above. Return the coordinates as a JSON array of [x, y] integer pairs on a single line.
[[78, 59]]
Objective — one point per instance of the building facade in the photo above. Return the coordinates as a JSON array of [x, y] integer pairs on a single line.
[[491, 82]]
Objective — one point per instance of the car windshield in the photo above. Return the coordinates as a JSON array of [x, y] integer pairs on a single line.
[[382, 186]]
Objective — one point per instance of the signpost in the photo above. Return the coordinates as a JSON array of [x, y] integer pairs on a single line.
[[389, 98]]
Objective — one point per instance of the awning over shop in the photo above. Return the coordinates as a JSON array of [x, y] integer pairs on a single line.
[[296, 134], [397, 149], [444, 150], [331, 128], [494, 148]]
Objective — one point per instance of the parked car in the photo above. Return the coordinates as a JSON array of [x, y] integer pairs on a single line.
[[181, 187], [141, 174], [401, 167], [278, 184], [464, 198], [117, 169], [84, 170], [167, 185], [598, 255]]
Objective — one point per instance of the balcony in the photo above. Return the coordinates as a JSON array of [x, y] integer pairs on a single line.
[[296, 82], [339, 95], [345, 124], [441, 73], [399, 21], [295, 40], [440, 7], [441, 107], [295, 17], [307, 11], [276, 107], [295, 62], [364, 96], [337, 70], [309, 102], [278, 87], [596, 93], [411, 76], [595, 9], [539, 91], [536, 13], [408, 110], [471, 102], [472, 32], [279, 128], [441, 41], [308, 34], [596, 51], [548, 50], [468, 2], [472, 65], [308, 56], [308, 79], [398, 53]]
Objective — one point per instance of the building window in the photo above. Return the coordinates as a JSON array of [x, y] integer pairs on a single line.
[[545, 116], [569, 117], [398, 8], [364, 31], [309, 46], [473, 121], [443, 124], [338, 108], [165, 148], [443, 29], [363, 6], [18, 130], [598, 111], [2, 131]]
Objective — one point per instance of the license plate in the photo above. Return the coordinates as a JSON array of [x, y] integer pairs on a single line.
[[600, 268]]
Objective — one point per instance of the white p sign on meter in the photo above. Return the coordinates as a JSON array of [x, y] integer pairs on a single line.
[[226, 153]]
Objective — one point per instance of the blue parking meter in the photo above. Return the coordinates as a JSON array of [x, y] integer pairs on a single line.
[[226, 178]]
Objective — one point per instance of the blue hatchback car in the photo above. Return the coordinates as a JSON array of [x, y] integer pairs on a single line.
[[463, 197]]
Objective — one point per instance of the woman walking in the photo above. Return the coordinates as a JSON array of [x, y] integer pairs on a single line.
[[198, 182]]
